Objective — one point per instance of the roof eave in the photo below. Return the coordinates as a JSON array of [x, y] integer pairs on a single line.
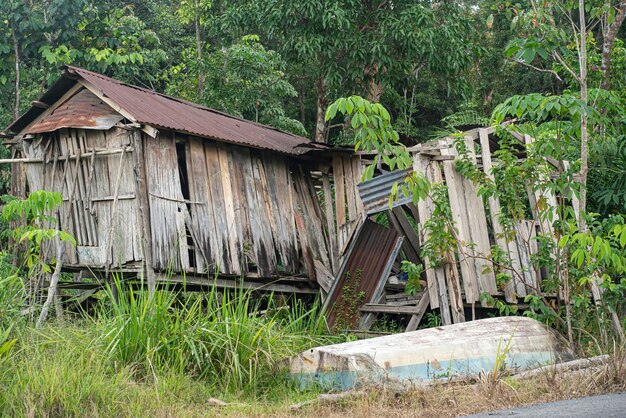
[[54, 93]]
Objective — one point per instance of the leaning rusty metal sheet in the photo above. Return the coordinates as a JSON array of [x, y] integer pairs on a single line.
[[375, 192], [83, 110], [374, 248], [161, 111]]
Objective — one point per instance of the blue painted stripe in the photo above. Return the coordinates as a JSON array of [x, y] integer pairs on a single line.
[[419, 374]]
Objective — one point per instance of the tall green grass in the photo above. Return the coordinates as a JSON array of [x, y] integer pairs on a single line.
[[220, 337], [60, 371], [138, 354], [12, 295]]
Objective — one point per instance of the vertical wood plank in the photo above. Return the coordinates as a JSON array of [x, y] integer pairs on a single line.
[[340, 201], [494, 212], [222, 249], [260, 251], [276, 181], [435, 176], [534, 249], [143, 209], [183, 247], [102, 188], [243, 207], [357, 172], [203, 225], [351, 190], [165, 195], [232, 226], [479, 230], [264, 210], [420, 165], [461, 222], [312, 233], [330, 221]]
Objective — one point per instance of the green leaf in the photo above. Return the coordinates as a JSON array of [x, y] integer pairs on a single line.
[[331, 112], [490, 21], [543, 53], [349, 106], [528, 55]]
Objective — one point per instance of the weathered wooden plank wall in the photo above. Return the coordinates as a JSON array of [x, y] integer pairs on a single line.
[[243, 210], [348, 210], [213, 207], [476, 231], [166, 201], [95, 169]]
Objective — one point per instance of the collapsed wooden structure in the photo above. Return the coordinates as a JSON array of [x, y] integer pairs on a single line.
[[459, 284], [171, 191]]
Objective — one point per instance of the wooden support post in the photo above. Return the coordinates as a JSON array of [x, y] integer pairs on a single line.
[[422, 305]]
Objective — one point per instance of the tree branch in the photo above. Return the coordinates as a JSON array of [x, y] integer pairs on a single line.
[[569, 69], [543, 70], [607, 44]]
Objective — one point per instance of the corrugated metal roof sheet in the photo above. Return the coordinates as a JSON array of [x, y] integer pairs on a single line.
[[54, 93], [375, 192], [82, 110], [161, 111], [368, 261]]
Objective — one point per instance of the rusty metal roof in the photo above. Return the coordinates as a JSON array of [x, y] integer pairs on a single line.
[[367, 263], [82, 110], [161, 111]]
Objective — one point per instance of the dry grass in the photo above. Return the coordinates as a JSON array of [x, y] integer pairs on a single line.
[[460, 399]]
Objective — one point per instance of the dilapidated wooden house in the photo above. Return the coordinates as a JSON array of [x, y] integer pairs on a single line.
[[179, 191]]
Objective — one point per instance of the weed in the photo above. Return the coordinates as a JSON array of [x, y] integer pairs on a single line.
[[349, 302]]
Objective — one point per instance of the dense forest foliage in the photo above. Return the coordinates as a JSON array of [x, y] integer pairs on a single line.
[[280, 62], [433, 65]]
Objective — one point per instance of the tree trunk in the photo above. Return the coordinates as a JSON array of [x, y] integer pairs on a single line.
[[607, 44], [584, 155], [584, 152], [199, 50], [16, 47], [375, 88], [320, 123], [375, 91], [301, 99], [54, 281]]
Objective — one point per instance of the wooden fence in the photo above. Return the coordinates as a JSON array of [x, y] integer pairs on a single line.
[[468, 272]]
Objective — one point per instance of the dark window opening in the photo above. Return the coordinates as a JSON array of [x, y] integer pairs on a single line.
[[181, 155]]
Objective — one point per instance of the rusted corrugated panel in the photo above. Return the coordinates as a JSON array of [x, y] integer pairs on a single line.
[[375, 192], [82, 110], [369, 258], [158, 110], [56, 91]]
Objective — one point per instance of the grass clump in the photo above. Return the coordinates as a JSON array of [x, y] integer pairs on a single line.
[[159, 355], [221, 338]]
